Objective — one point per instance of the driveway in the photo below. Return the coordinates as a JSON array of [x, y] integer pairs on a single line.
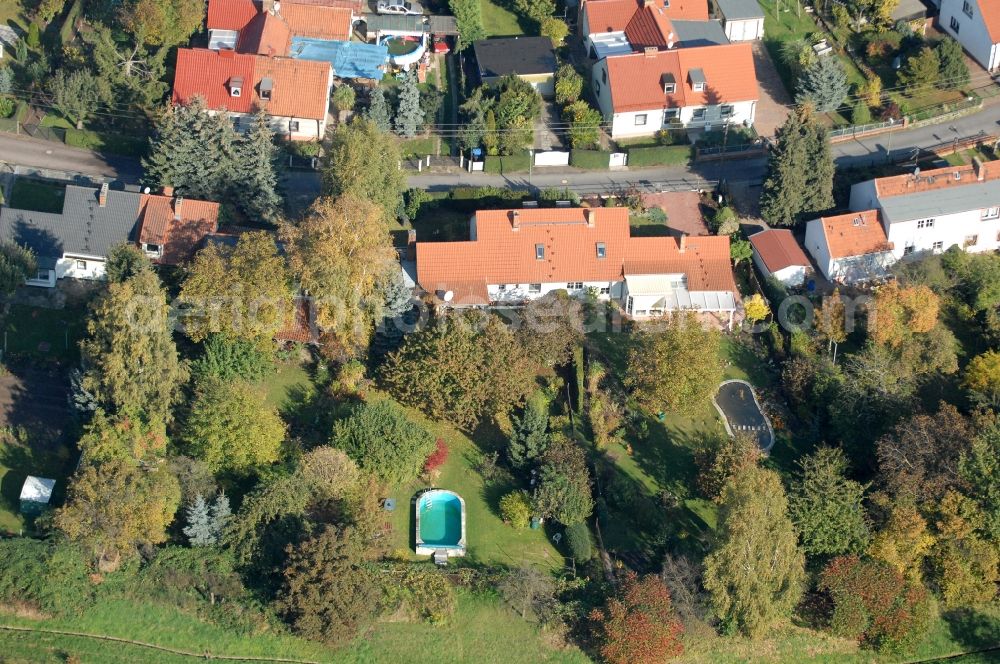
[[773, 106], [545, 137]]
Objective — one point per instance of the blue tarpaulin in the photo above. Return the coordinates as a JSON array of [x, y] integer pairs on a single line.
[[349, 59]]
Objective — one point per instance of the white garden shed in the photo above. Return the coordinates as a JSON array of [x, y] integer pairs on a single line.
[[742, 20]]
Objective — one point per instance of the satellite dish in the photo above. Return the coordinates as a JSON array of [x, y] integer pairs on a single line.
[[916, 172], [448, 296], [146, 190]]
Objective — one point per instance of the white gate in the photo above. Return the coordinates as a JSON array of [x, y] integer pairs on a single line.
[[619, 159], [554, 158]]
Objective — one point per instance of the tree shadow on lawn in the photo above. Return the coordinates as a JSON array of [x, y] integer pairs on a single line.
[[667, 455], [973, 629]]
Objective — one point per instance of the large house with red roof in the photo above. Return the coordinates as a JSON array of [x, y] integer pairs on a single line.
[[976, 26], [850, 248], [517, 255], [701, 87], [76, 241]]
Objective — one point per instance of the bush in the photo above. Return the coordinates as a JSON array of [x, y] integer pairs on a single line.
[[51, 576], [861, 114], [515, 509], [656, 215], [725, 221], [344, 98], [6, 107], [673, 155], [437, 457], [383, 440], [233, 359], [579, 541]]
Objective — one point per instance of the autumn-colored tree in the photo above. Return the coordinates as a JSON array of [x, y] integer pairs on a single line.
[[330, 473], [125, 438], [903, 539], [550, 327], [831, 323], [755, 573], [720, 458], [162, 22], [384, 441], [755, 308], [980, 469], [919, 459], [340, 251], [437, 457], [564, 483], [964, 566], [129, 357], [327, 593], [875, 604], [982, 378], [676, 366], [243, 293], [363, 163], [638, 625], [461, 367], [902, 311], [114, 507], [230, 427]]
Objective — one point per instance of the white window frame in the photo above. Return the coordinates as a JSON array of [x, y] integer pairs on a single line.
[[81, 264], [605, 290], [293, 125], [990, 213], [670, 114], [669, 88], [602, 250], [967, 8], [970, 240], [574, 285], [954, 24], [539, 252], [534, 288], [699, 113], [698, 87], [727, 114], [937, 246], [641, 119], [925, 223]]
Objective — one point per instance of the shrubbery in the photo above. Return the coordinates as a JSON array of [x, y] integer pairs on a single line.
[[515, 509]]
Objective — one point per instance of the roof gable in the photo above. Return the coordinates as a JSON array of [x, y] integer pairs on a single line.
[[177, 225], [854, 234], [778, 249]]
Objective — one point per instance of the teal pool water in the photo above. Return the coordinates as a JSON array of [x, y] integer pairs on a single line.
[[440, 518]]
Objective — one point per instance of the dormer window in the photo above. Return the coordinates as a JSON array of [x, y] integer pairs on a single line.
[[669, 83], [697, 78], [539, 252], [236, 86], [266, 87]]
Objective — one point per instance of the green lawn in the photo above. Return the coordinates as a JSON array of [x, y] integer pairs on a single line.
[[37, 195], [490, 541], [481, 625], [47, 335], [285, 386], [500, 21]]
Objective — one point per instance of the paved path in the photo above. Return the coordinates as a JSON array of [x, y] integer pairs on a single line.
[[773, 105], [25, 151]]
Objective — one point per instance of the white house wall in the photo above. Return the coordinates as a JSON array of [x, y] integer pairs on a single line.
[[623, 125], [516, 293], [793, 275], [972, 32], [947, 230], [817, 247], [92, 267], [864, 196]]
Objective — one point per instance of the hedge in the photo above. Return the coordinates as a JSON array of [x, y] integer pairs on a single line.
[[509, 164], [593, 159], [667, 155]]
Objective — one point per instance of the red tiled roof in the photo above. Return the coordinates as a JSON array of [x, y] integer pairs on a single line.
[[778, 249], [266, 34], [615, 15], [990, 9], [178, 237], [947, 177], [636, 79], [300, 87], [231, 14], [318, 22], [854, 234], [649, 27], [298, 324], [502, 255]]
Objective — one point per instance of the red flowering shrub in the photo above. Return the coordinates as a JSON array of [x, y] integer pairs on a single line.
[[874, 603], [639, 626], [437, 457]]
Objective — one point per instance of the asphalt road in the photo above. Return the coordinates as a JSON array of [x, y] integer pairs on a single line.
[[45, 154], [25, 151]]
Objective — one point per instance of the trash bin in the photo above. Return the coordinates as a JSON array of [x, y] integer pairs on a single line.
[[535, 522]]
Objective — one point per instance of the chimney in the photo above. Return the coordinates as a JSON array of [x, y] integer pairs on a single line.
[[648, 3], [168, 190], [411, 245], [515, 220], [268, 6], [979, 168], [650, 51], [590, 215], [177, 207], [102, 196], [682, 243]]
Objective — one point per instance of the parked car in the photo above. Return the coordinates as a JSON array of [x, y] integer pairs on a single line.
[[401, 7], [440, 44]]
